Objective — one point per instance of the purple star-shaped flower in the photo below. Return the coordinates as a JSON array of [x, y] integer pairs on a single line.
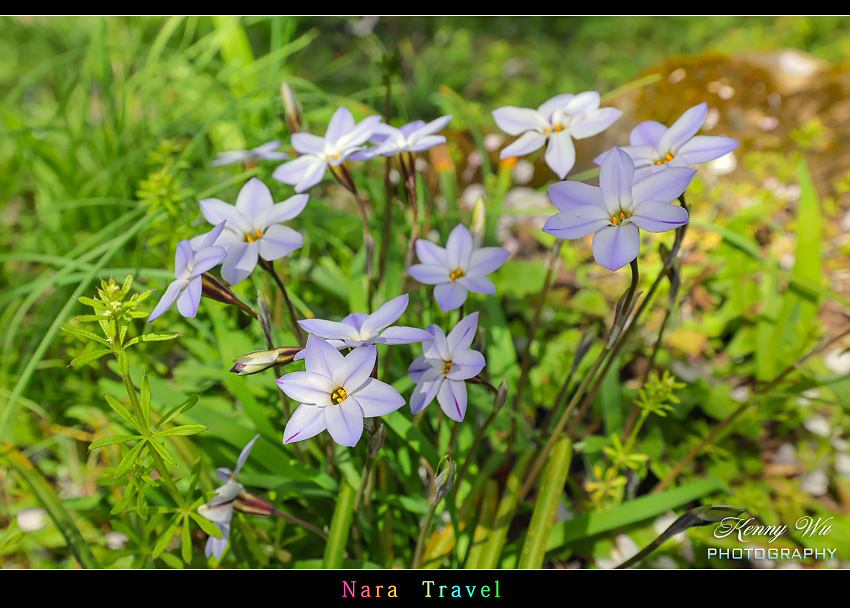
[[557, 121], [267, 151], [613, 211], [253, 228], [412, 137], [220, 509], [444, 367], [336, 393], [655, 147], [189, 265], [342, 139], [457, 269], [360, 329]]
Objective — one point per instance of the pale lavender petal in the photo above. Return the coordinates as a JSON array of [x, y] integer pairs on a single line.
[[216, 211], [243, 455], [215, 546], [423, 130], [487, 259], [640, 155], [466, 364], [209, 238], [329, 329], [594, 122], [356, 320], [345, 422], [683, 129], [459, 247], [406, 130], [577, 222], [312, 175], [306, 421], [647, 133], [254, 198], [321, 357], [377, 398], [269, 151], [439, 347], [657, 216], [615, 179], [666, 185], [526, 143], [570, 195], [341, 123], [223, 474], [450, 295], [462, 334], [355, 368], [429, 253], [424, 393], [279, 241], [478, 283], [583, 102], [513, 120], [429, 274], [207, 258], [182, 259], [423, 369], [452, 398], [282, 212], [616, 246], [291, 172], [426, 142], [387, 314], [240, 262], [561, 153], [556, 103], [171, 292], [306, 143], [703, 148], [230, 157], [189, 300], [308, 387], [359, 134], [402, 334]]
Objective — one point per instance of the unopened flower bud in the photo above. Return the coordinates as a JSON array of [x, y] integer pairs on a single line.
[[343, 177], [377, 441], [252, 505], [501, 395], [215, 289], [259, 360], [291, 108], [444, 480]]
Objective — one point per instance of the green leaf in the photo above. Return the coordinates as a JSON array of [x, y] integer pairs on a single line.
[[162, 451], [157, 337], [84, 333], [129, 459], [177, 410], [186, 429], [167, 535], [122, 411], [186, 547], [340, 526], [145, 400], [206, 525], [112, 440], [89, 357], [551, 489]]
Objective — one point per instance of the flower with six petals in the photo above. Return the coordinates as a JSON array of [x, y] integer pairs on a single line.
[[412, 137], [458, 268], [336, 392], [613, 211], [444, 367], [557, 122], [253, 228], [267, 151]]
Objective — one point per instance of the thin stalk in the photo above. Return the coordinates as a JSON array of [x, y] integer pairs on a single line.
[[470, 454], [293, 317], [716, 431], [423, 532]]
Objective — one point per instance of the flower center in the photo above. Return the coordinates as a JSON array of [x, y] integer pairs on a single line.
[[448, 367], [333, 156], [555, 129], [258, 234], [617, 219], [338, 396], [667, 158], [456, 274]]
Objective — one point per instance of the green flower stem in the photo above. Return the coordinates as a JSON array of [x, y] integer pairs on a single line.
[[532, 329], [410, 187], [470, 453], [293, 317], [423, 533], [166, 476], [300, 522], [717, 430]]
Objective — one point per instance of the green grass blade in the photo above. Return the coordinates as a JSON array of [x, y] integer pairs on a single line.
[[340, 526]]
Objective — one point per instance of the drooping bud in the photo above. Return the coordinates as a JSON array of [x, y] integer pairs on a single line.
[[343, 177], [215, 289], [291, 108], [252, 505], [377, 440], [444, 479], [501, 396], [259, 360]]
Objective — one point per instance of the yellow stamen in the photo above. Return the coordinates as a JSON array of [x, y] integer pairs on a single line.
[[456, 274], [617, 219], [333, 156], [338, 396], [258, 234], [667, 158], [448, 367], [558, 128]]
